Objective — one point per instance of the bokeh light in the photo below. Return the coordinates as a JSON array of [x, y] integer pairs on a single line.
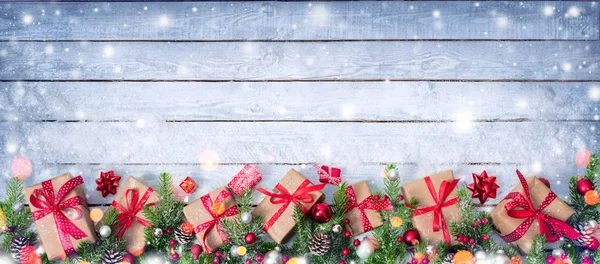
[[21, 167], [208, 160], [96, 214]]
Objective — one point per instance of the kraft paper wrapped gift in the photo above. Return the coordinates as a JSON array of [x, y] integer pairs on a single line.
[[362, 209]]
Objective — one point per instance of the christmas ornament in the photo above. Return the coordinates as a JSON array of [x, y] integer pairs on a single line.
[[272, 257], [241, 251], [18, 207], [182, 235], [96, 214], [175, 256], [480, 254], [111, 257], [516, 260], [483, 186], [157, 232], [336, 228], [365, 250], [108, 183], [105, 231], [463, 257], [411, 237], [246, 217], [501, 258], [186, 228], [545, 182], [246, 179], [319, 244], [250, 238], [584, 185], [345, 252], [196, 251], [396, 221], [347, 234], [169, 231], [3, 223], [128, 258], [356, 242], [591, 197], [557, 252], [16, 246], [29, 256], [188, 185], [172, 242], [321, 212], [582, 158], [328, 174], [392, 174]]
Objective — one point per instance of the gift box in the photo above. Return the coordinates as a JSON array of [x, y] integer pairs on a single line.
[[531, 203], [205, 215], [61, 215], [277, 209], [362, 209], [246, 179], [129, 201], [437, 206]]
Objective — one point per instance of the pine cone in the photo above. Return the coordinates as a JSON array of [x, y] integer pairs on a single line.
[[586, 231], [16, 246], [319, 244], [182, 237], [111, 257], [448, 259]]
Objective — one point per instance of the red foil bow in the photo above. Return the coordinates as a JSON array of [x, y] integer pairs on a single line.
[[128, 214], [247, 178], [301, 196], [367, 204], [328, 174], [550, 227], [55, 205], [440, 202], [216, 217]]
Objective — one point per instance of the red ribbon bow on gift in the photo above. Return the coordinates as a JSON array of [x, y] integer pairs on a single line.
[[300, 196], [128, 214], [54, 205], [328, 174], [440, 202], [550, 227], [216, 217], [367, 204], [247, 178]]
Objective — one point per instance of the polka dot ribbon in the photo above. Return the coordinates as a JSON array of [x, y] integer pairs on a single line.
[[367, 204], [328, 174], [439, 223], [300, 196], [216, 217], [129, 213], [550, 227], [247, 178], [54, 205]]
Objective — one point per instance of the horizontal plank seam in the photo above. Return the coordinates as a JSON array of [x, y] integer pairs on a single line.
[[302, 80], [495, 120], [275, 163], [289, 40]]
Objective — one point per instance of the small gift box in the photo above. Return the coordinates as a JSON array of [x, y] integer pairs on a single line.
[[437, 198], [61, 215], [329, 175], [205, 215], [247, 178], [362, 209], [277, 209], [532, 208], [129, 202]]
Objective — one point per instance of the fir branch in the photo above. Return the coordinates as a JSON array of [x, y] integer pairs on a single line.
[[244, 202], [93, 252], [303, 231], [19, 220], [471, 225], [537, 254]]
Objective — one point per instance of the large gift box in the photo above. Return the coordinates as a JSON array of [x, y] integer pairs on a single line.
[[277, 209], [362, 209], [129, 201], [61, 215], [518, 216], [437, 200], [205, 215]]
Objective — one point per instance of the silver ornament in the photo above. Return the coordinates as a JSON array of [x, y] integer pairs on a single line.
[[105, 231], [272, 257], [40, 250], [557, 252], [233, 250], [501, 258], [365, 249], [592, 223], [158, 232], [393, 174], [246, 217], [336, 228], [480, 254], [352, 262], [18, 207]]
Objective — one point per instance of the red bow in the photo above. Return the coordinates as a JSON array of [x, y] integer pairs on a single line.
[[550, 227], [216, 217], [328, 174], [300, 196], [367, 204], [134, 206], [440, 202], [247, 178], [54, 205]]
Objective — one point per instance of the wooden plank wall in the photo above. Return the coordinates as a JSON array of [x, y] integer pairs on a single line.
[[146, 87]]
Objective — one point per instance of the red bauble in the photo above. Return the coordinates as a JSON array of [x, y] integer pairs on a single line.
[[196, 251], [342, 262], [321, 212], [347, 234], [411, 237], [345, 252], [172, 242], [128, 258], [400, 197], [346, 221], [259, 258], [356, 242], [545, 182], [175, 256], [169, 231], [584, 185], [250, 238], [594, 244]]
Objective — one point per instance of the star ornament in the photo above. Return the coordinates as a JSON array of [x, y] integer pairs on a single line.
[[108, 183], [483, 186]]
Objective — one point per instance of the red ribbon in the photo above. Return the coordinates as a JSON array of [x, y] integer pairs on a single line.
[[54, 205], [367, 204], [550, 227], [128, 214], [440, 202], [301, 196], [328, 174], [208, 204], [247, 178]]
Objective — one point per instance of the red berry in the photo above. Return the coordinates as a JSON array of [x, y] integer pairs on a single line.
[[476, 223], [169, 231], [400, 239], [172, 242], [260, 258], [485, 237], [347, 221], [376, 197], [484, 221], [471, 241], [248, 261], [285, 259], [356, 242], [459, 239], [175, 256], [345, 252], [385, 197], [400, 197], [342, 262], [425, 261], [347, 234], [414, 261]]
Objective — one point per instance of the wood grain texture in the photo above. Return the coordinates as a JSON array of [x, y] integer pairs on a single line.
[[301, 101], [298, 20], [227, 61]]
